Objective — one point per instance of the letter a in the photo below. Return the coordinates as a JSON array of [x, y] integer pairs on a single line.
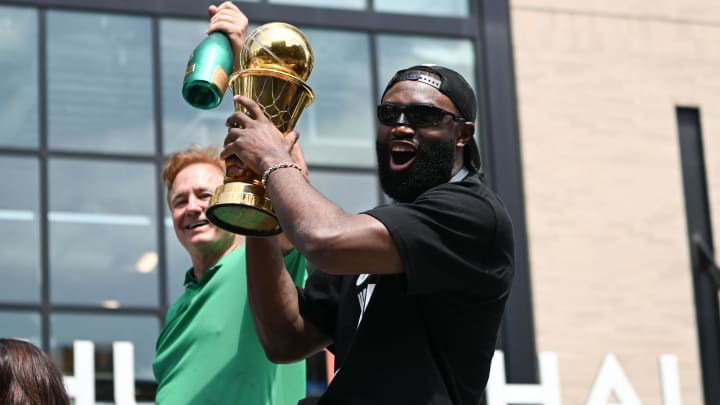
[[611, 378]]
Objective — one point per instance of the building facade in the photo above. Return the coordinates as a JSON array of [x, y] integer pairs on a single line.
[[602, 88], [589, 113]]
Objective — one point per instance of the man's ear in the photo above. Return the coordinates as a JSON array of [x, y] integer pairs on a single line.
[[465, 133]]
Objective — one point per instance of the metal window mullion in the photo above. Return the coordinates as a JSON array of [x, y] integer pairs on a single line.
[[375, 83], [265, 11], [159, 160], [504, 163], [699, 227], [45, 306]]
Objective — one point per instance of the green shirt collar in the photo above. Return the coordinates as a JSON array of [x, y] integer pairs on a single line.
[[190, 281]]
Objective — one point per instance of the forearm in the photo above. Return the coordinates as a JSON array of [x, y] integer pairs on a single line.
[[274, 302], [308, 219], [285, 245], [327, 236]]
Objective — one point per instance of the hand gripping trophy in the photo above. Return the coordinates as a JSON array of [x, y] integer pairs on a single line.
[[275, 61]]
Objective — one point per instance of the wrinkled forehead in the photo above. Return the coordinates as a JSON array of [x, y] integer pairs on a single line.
[[197, 175]]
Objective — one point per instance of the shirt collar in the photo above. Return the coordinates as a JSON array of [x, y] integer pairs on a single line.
[[459, 175], [190, 280]]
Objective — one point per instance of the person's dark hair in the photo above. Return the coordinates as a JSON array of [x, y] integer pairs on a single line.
[[28, 376]]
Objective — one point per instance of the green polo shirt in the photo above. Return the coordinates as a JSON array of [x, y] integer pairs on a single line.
[[208, 351]]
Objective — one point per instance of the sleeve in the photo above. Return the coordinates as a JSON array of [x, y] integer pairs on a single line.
[[452, 238], [319, 300]]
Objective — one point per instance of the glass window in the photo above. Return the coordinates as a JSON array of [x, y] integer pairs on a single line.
[[19, 72], [345, 4], [339, 127], [184, 125], [103, 330], [445, 8], [19, 239], [102, 233], [21, 325], [100, 92], [178, 261], [397, 52], [353, 192]]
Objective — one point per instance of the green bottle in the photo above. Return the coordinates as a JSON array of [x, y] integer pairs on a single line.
[[208, 70]]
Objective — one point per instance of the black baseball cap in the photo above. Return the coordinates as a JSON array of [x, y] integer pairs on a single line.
[[456, 88]]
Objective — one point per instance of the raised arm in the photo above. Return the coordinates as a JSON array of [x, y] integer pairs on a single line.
[[331, 239], [283, 332], [227, 18]]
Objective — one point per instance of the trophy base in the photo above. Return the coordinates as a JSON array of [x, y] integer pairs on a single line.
[[244, 209]]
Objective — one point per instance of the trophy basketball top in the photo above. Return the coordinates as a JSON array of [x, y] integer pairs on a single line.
[[278, 46]]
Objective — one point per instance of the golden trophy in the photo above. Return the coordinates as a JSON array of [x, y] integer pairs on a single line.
[[275, 61]]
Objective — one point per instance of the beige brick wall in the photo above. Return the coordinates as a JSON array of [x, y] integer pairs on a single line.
[[597, 85]]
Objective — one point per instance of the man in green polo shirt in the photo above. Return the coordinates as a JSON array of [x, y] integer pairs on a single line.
[[208, 351]]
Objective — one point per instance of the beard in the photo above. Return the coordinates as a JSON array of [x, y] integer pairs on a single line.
[[432, 166]]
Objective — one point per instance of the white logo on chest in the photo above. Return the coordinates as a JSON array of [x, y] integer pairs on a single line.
[[364, 295]]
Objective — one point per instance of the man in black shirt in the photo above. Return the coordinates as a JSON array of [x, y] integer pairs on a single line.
[[408, 296]]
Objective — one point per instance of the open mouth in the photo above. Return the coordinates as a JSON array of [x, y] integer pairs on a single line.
[[402, 155], [197, 224]]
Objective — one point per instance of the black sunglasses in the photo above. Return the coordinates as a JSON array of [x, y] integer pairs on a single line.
[[416, 115]]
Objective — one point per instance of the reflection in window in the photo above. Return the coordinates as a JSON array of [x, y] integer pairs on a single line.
[[100, 95], [184, 125], [339, 127], [103, 331], [345, 4], [19, 239], [19, 72], [102, 233], [178, 261], [21, 325], [445, 8], [353, 192], [397, 52]]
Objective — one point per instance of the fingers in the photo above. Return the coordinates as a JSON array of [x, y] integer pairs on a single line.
[[241, 119], [228, 18], [230, 138], [256, 140], [293, 136], [235, 120], [226, 7], [254, 110], [234, 167], [296, 153], [230, 149]]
